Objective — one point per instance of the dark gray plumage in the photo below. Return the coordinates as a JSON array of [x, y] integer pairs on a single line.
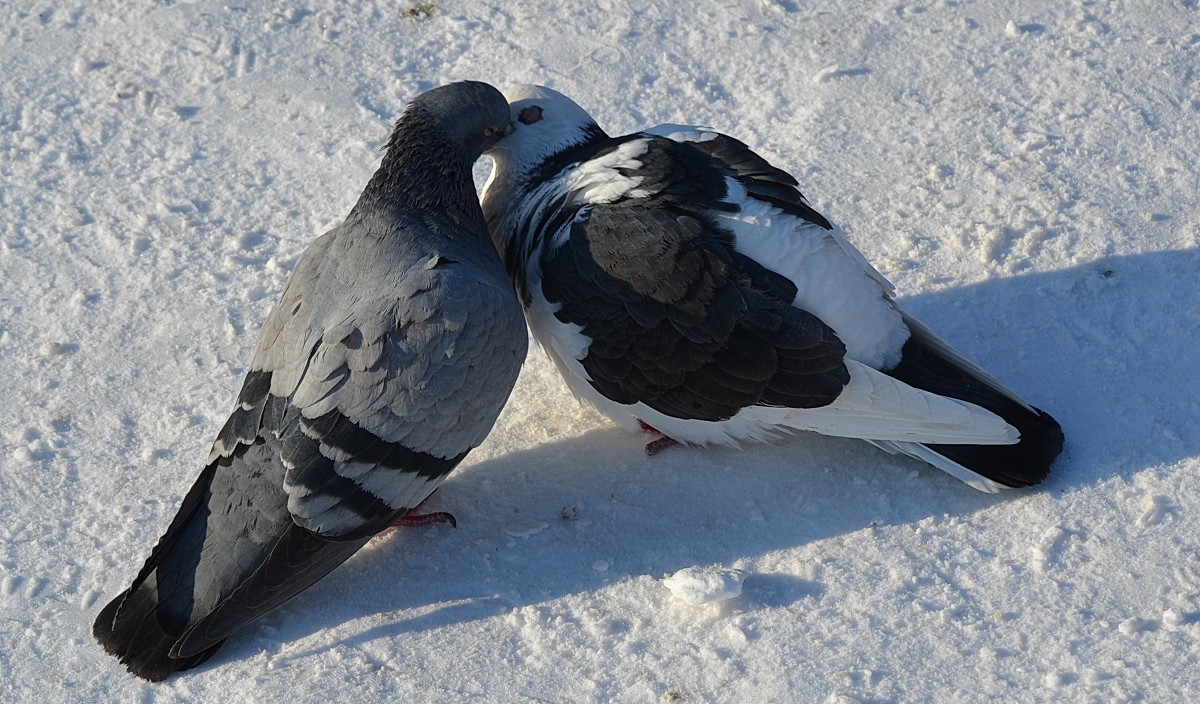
[[388, 358]]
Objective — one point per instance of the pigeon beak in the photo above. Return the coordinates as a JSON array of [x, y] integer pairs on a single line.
[[509, 129]]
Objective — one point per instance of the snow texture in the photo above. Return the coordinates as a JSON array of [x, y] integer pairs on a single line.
[[1025, 173], [705, 585]]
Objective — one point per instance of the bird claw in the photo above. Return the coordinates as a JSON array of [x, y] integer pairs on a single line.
[[411, 519], [656, 446]]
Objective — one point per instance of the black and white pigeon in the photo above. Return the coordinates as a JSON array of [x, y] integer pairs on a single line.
[[388, 358], [683, 285]]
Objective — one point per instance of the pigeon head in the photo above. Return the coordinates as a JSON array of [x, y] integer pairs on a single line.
[[440, 135], [470, 114], [545, 123]]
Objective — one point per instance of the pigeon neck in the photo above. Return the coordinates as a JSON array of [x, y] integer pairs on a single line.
[[422, 169]]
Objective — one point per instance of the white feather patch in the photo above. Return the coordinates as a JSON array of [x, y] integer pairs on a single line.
[[599, 180], [833, 280], [682, 133], [954, 469], [564, 343], [872, 407]]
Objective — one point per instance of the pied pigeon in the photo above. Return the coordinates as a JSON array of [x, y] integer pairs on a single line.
[[395, 344], [681, 284]]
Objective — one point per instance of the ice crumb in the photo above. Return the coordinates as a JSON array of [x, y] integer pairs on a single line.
[[1154, 509], [1132, 625], [705, 585], [51, 349], [152, 454], [827, 74], [1054, 680], [524, 529], [1174, 618]]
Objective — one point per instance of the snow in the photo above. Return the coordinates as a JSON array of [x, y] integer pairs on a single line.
[[705, 585], [1025, 173]]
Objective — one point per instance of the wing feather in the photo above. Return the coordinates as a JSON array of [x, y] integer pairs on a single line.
[[677, 317]]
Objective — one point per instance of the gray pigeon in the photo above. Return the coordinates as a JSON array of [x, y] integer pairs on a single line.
[[388, 358], [683, 285]]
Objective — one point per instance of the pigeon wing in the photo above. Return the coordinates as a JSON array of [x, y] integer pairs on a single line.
[[676, 317], [376, 418], [765, 183]]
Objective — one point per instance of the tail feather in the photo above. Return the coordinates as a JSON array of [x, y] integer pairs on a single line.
[[297, 561], [136, 627], [878, 407], [929, 363], [213, 545], [129, 629], [231, 555], [954, 469], [156, 630]]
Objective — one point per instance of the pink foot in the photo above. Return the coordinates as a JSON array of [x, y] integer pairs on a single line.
[[411, 519], [656, 446]]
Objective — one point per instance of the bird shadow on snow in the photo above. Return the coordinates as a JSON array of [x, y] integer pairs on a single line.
[[1103, 346]]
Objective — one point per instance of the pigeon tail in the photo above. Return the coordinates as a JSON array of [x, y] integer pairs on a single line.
[[930, 364], [129, 629], [232, 555], [140, 626]]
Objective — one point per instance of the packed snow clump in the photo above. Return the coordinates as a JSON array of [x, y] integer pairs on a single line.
[[705, 585]]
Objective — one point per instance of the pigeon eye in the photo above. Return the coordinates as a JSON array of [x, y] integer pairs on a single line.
[[490, 132], [530, 115]]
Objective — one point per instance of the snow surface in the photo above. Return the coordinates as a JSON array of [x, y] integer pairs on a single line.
[[1024, 172], [705, 585]]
